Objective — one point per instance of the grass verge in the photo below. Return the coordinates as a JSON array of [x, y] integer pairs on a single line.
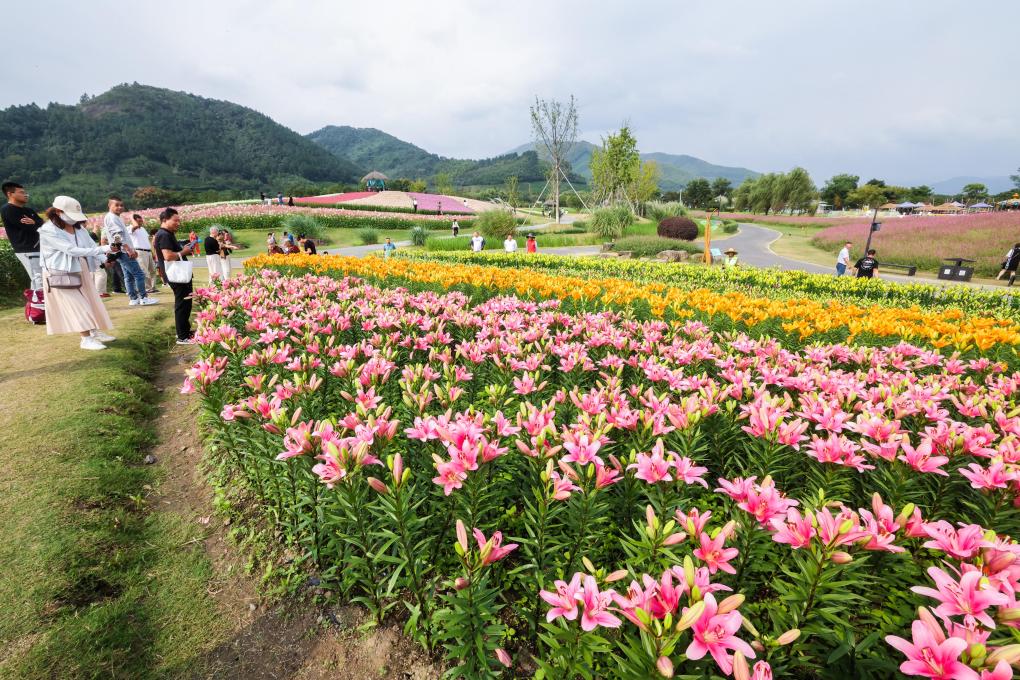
[[94, 583]]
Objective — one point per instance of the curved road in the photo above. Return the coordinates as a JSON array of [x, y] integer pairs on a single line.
[[752, 244]]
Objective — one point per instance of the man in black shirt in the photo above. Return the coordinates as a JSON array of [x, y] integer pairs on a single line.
[[22, 226], [168, 249], [867, 266], [308, 244]]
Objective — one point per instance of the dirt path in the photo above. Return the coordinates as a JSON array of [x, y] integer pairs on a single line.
[[261, 639]]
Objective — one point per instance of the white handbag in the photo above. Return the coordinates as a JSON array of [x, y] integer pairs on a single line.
[[178, 271]]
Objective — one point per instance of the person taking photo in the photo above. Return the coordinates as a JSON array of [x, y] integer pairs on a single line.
[[169, 249]]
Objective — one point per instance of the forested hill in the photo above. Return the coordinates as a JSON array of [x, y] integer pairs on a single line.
[[136, 135], [376, 150]]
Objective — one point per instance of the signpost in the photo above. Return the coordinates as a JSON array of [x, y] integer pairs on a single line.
[[875, 226], [708, 236]]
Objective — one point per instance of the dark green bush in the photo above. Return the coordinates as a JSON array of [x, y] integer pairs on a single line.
[[12, 274], [678, 228], [650, 246], [273, 222]]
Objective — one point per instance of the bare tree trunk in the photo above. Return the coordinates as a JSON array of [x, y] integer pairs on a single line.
[[556, 189]]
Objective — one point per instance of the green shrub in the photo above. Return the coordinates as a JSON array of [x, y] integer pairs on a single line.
[[650, 246], [660, 210], [368, 236], [609, 223], [419, 235], [443, 244], [730, 227], [678, 228], [496, 224], [581, 224], [297, 223], [12, 274]]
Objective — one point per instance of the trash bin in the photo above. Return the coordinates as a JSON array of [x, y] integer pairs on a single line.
[[955, 269]]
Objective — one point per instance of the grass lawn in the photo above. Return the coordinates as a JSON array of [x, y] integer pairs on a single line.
[[94, 583], [255, 241]]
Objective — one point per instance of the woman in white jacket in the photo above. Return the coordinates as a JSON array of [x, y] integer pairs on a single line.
[[69, 255]]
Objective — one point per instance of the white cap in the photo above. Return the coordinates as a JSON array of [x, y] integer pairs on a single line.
[[70, 207]]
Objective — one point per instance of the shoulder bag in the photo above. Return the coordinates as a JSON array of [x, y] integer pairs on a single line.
[[178, 271]]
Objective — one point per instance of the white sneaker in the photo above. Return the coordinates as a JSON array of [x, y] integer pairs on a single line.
[[189, 341], [148, 301], [135, 302], [91, 343], [102, 337]]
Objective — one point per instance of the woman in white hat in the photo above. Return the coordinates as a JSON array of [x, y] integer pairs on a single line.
[[731, 259], [68, 256]]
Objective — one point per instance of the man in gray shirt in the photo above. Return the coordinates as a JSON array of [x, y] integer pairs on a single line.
[[116, 231]]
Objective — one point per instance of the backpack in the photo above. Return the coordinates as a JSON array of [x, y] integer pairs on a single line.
[[35, 308]]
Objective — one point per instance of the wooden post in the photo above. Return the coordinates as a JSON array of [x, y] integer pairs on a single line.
[[708, 237]]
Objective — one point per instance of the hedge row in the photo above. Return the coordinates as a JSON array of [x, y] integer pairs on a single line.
[[275, 222]]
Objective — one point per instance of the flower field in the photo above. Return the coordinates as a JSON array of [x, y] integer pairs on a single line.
[[767, 282], [543, 476], [795, 321], [923, 240]]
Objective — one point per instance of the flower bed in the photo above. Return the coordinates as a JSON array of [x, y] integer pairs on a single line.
[[797, 321], [771, 282], [270, 217], [925, 240], [532, 484]]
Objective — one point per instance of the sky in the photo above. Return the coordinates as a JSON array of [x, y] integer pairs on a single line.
[[911, 91]]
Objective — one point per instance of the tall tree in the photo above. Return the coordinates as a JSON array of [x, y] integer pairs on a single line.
[[796, 192], [645, 186], [698, 193], [1016, 180], [975, 192], [555, 127], [513, 194], [920, 194], [721, 187], [838, 188], [615, 166], [867, 195]]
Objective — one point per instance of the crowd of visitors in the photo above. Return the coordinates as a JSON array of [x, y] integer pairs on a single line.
[[69, 269]]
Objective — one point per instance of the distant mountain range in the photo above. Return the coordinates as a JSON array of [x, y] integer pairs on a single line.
[[677, 170], [373, 149], [995, 184], [136, 135]]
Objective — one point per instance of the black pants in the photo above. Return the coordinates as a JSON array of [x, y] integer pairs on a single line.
[[182, 309], [118, 278]]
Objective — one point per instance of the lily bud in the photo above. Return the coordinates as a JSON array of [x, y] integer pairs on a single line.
[[690, 616], [486, 550], [651, 519], [905, 514], [398, 468], [749, 627], [547, 472], [977, 652], [730, 603], [664, 666], [1006, 615], [757, 646], [588, 565], [689, 571], [294, 418], [462, 537], [788, 637], [503, 657], [461, 583], [377, 485], [840, 557], [673, 539], [616, 576], [741, 671], [271, 429], [846, 526], [1010, 654]]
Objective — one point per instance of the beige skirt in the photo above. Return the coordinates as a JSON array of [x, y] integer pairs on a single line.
[[73, 310]]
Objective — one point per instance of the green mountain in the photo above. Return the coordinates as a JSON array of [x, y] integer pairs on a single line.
[[375, 150], [136, 135], [677, 170]]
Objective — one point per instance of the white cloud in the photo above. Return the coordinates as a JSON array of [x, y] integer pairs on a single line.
[[910, 91]]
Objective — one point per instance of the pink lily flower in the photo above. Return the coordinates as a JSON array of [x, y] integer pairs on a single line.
[[921, 459], [961, 544], [715, 554], [796, 531], [652, 468], [451, 475], [564, 600], [930, 657], [596, 604], [492, 550], [687, 471], [581, 449], [714, 634], [965, 597]]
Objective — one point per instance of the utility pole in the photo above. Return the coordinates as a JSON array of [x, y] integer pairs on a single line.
[[871, 230]]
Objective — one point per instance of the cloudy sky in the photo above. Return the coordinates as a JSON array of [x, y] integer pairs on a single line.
[[908, 90]]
